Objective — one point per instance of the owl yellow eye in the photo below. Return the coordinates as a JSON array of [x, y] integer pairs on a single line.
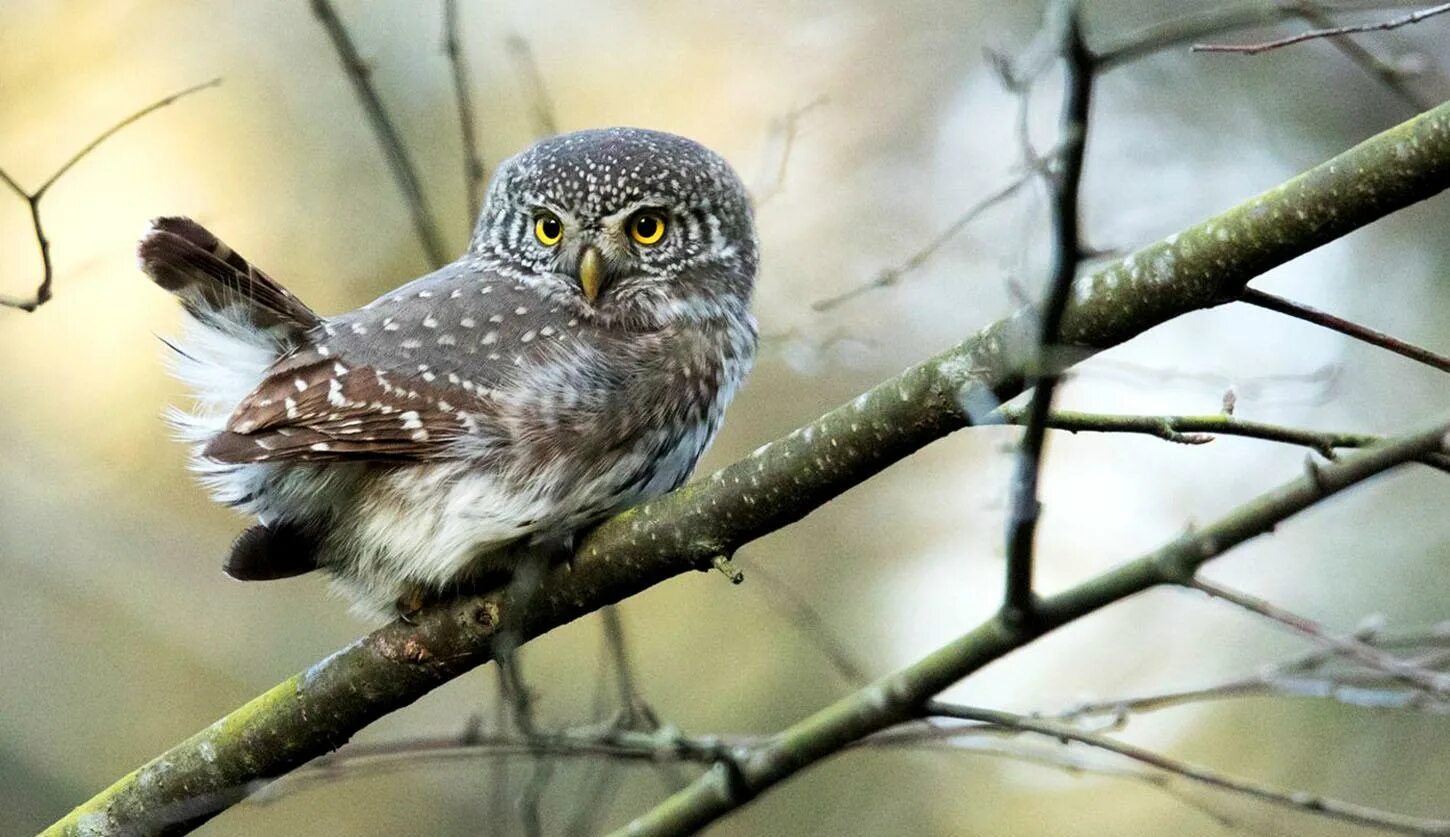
[[548, 230], [647, 227]]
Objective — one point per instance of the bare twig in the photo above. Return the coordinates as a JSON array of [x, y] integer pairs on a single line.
[[1320, 385], [1433, 682], [32, 199], [636, 714], [1300, 801], [1209, 22], [517, 695], [1198, 430], [1304, 676], [890, 276], [583, 742], [394, 149], [1215, 21], [498, 777], [535, 91], [1332, 32], [595, 799], [1387, 73], [788, 128], [473, 170], [797, 610], [1018, 598], [1345, 327]]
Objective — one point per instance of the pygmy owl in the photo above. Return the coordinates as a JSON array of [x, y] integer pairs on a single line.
[[575, 361]]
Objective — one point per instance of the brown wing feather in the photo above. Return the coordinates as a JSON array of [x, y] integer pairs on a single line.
[[314, 407]]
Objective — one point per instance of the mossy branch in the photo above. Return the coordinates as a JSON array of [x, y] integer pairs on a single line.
[[1209, 264]]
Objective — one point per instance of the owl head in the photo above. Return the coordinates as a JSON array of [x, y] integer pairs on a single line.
[[624, 225]]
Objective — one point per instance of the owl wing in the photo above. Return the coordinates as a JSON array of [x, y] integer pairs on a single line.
[[316, 407], [461, 353]]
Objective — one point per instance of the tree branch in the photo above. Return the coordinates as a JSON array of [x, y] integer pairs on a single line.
[[1198, 430], [317, 710], [1043, 377], [902, 695], [535, 90], [1332, 32], [32, 199], [1385, 72], [1206, 23], [1348, 328], [1434, 683], [457, 61], [1296, 800], [1305, 676], [394, 149]]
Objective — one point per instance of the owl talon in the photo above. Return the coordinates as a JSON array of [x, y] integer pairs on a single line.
[[408, 605]]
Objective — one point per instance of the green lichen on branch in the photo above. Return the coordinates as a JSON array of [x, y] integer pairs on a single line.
[[780, 483]]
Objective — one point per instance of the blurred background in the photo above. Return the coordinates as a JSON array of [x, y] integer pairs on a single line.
[[122, 636]]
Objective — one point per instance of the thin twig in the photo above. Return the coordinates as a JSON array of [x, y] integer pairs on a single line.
[[636, 714], [394, 149], [596, 798], [1305, 676], [1386, 73], [1198, 430], [1018, 598], [797, 610], [1212, 22], [1320, 385], [1345, 327], [530, 801], [890, 276], [404, 753], [32, 199], [498, 778], [1293, 799], [1206, 23], [789, 127], [473, 170], [535, 91], [1332, 32], [1433, 682], [517, 694]]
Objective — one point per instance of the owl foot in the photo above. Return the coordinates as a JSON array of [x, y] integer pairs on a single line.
[[409, 604]]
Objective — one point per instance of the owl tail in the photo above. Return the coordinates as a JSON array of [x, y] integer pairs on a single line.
[[266, 552], [217, 284], [241, 321]]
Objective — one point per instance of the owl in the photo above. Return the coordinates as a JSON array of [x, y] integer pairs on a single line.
[[576, 360]]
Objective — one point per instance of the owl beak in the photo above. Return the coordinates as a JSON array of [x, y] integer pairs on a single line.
[[591, 273]]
